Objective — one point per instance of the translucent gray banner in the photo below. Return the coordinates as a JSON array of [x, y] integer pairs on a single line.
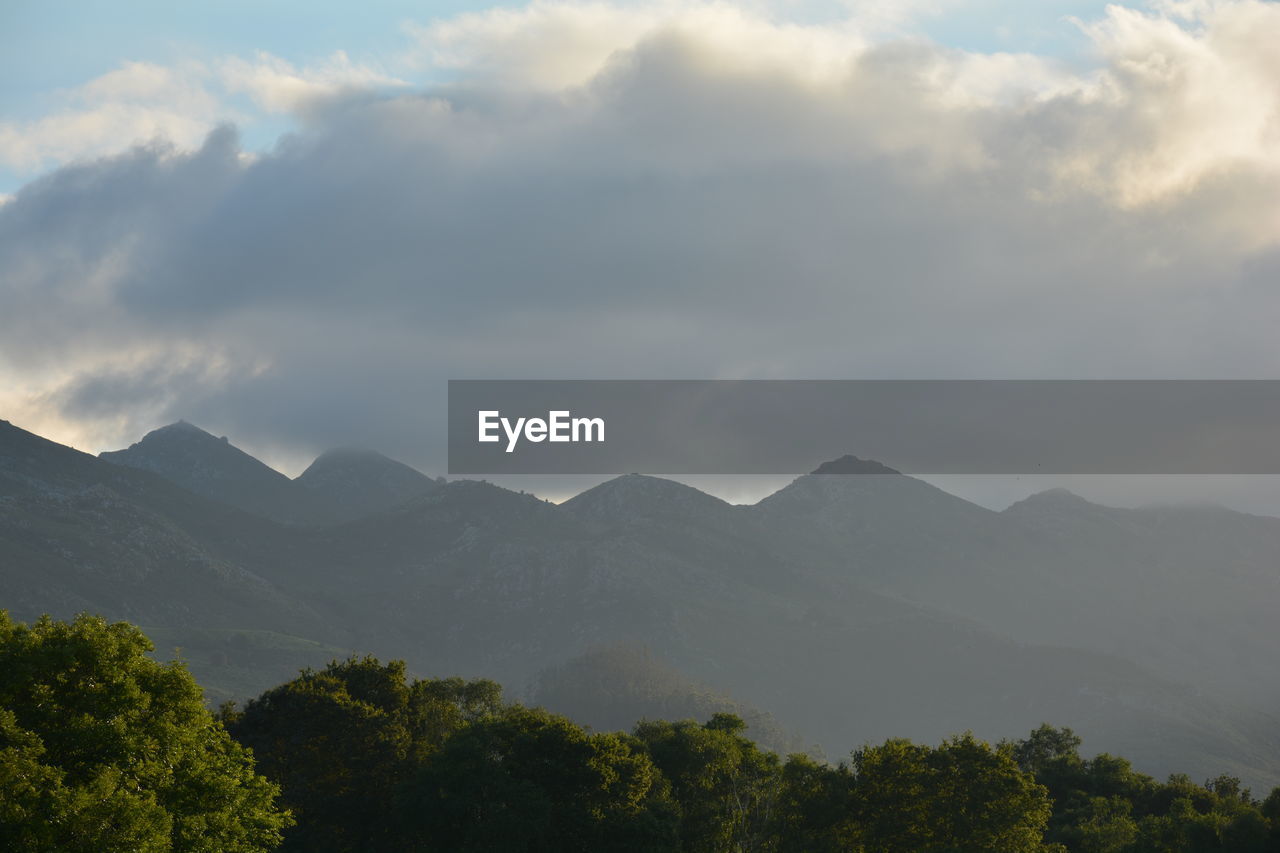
[[917, 426]]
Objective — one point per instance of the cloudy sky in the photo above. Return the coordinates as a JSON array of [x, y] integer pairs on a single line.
[[292, 225]]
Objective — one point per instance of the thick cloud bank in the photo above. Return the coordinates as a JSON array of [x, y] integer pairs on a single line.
[[609, 192]]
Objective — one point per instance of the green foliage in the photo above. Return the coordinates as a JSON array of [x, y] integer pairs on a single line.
[[814, 811], [1099, 825], [726, 786], [528, 780], [1102, 805], [342, 741], [373, 763], [370, 762], [961, 795], [103, 749]]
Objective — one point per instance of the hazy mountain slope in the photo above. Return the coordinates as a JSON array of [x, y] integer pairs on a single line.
[[488, 582], [613, 689], [238, 663], [880, 528], [853, 607], [215, 468], [1189, 592], [1192, 592], [635, 499], [353, 483], [339, 485], [78, 534]]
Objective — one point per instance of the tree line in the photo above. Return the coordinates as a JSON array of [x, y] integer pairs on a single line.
[[104, 749]]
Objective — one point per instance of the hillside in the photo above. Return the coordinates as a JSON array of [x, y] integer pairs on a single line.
[[851, 607], [340, 485]]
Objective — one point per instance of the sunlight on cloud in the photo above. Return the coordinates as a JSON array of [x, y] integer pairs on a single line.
[[1186, 91], [142, 103], [557, 45], [106, 398], [137, 103], [1187, 95], [278, 87]]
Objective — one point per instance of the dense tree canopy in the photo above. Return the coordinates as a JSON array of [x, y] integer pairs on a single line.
[[726, 786], [344, 740], [527, 780], [962, 795], [103, 749], [1102, 805]]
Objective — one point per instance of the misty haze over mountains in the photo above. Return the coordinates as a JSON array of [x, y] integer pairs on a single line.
[[852, 605]]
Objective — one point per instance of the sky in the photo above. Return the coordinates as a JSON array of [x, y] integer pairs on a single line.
[[60, 59], [291, 223]]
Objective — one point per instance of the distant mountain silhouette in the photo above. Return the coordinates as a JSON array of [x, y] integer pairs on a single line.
[[355, 483], [81, 534], [340, 485], [851, 607], [215, 468], [636, 498], [853, 465]]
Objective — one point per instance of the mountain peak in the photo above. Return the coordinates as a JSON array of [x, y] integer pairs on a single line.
[[208, 465], [179, 427], [184, 450], [849, 464], [356, 481], [1055, 497], [340, 485], [639, 495]]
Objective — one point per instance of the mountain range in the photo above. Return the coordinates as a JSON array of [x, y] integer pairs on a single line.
[[339, 485], [852, 605]]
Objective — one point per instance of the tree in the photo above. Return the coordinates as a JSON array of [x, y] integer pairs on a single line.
[[726, 786], [103, 749], [1217, 817], [343, 740], [1098, 825], [1047, 749], [814, 811], [962, 795], [1102, 805], [528, 780], [1270, 811]]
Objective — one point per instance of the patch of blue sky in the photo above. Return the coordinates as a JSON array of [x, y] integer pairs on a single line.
[[52, 45], [1042, 27]]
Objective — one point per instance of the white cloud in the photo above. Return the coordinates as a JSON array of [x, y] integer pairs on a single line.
[[143, 103], [557, 45], [1190, 92], [279, 87], [136, 103], [1187, 90]]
